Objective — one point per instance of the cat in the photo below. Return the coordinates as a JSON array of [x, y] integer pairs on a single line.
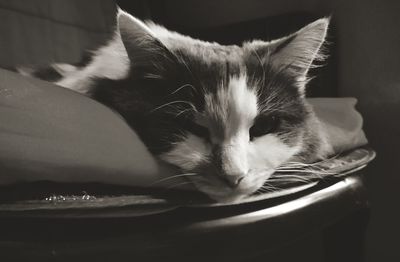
[[229, 116]]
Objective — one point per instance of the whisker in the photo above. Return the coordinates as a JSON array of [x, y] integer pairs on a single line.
[[172, 177], [178, 185], [183, 112], [313, 164], [261, 191], [183, 86], [290, 178], [311, 170], [174, 102], [268, 189], [261, 64]]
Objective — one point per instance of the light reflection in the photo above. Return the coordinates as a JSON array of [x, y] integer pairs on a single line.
[[284, 208]]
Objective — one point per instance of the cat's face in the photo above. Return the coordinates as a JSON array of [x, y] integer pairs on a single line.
[[240, 134], [229, 115]]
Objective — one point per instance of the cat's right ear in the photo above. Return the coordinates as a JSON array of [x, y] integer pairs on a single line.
[[142, 46], [295, 53]]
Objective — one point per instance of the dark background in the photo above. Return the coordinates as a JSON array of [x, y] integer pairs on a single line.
[[364, 63]]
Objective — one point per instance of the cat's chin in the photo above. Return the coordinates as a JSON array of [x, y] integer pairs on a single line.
[[228, 199], [224, 194]]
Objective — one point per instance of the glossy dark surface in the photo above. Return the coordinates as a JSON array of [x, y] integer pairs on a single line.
[[95, 200], [195, 233]]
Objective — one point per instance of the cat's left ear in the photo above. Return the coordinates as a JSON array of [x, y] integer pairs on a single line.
[[298, 51], [141, 44]]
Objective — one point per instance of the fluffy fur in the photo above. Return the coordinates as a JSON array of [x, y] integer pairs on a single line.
[[228, 115]]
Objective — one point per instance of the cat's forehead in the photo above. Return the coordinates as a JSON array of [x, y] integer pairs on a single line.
[[211, 52], [231, 110], [211, 60]]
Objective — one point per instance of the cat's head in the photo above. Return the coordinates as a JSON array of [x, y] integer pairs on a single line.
[[228, 114]]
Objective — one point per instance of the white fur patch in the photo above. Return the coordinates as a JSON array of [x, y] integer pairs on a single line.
[[64, 69], [239, 108], [269, 152], [242, 107], [231, 111], [188, 154], [110, 61]]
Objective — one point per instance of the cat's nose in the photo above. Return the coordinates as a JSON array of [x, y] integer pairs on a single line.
[[233, 181]]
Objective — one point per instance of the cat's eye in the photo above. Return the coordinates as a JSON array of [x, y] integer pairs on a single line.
[[199, 130], [264, 125]]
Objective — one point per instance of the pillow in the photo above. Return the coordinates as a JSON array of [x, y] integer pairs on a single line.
[[54, 134], [341, 122], [51, 133]]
